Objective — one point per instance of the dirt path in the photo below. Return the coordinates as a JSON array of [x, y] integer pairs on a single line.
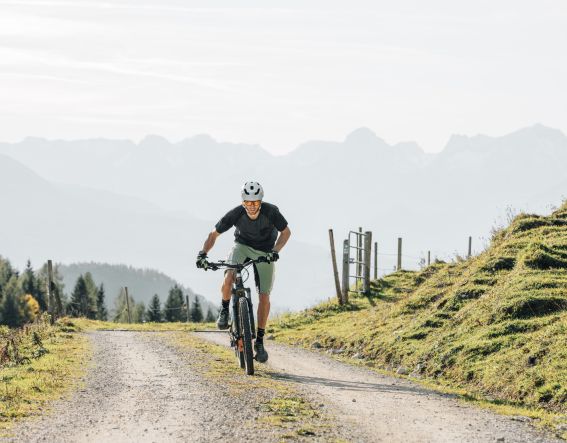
[[390, 409], [142, 390]]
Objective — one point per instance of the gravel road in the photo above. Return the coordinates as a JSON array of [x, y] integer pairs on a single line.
[[141, 388], [388, 409]]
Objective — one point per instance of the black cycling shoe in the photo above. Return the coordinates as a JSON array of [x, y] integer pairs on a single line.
[[261, 353], [222, 321]]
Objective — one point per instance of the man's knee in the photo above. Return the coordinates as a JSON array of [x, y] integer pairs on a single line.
[[264, 297]]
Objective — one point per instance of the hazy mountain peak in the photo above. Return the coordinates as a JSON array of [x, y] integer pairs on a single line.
[[202, 139], [539, 131], [153, 140], [457, 143], [363, 137]]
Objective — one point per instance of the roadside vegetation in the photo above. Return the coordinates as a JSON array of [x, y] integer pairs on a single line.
[[493, 327], [38, 363], [23, 298]]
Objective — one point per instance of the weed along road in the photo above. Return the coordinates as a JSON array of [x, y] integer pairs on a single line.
[[388, 409]]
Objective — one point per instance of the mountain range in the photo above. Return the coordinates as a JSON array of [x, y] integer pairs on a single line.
[[151, 204]]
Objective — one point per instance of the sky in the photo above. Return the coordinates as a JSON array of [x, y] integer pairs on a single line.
[[281, 73]]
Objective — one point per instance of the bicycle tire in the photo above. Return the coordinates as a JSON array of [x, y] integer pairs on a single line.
[[246, 335]]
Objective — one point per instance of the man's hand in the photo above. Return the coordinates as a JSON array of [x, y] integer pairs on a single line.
[[272, 256], [202, 262]]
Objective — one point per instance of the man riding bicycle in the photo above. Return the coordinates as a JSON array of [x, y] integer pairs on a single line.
[[257, 225]]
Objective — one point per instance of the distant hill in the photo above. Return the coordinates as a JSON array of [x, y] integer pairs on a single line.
[[142, 283], [493, 325]]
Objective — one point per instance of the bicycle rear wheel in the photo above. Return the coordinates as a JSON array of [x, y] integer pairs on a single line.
[[248, 352]]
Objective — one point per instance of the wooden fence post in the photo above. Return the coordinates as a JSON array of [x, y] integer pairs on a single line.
[[50, 295], [188, 310], [428, 258], [399, 254], [335, 268], [346, 264], [367, 257], [375, 260], [359, 257], [128, 304], [470, 247]]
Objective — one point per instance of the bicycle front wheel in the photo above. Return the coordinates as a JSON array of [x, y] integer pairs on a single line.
[[246, 335]]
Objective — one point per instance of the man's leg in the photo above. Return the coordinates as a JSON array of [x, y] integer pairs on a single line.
[[265, 275], [226, 290], [263, 310]]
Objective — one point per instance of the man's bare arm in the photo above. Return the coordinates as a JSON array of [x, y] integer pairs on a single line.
[[210, 241], [282, 239]]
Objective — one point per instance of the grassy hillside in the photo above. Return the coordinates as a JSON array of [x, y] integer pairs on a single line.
[[494, 325]]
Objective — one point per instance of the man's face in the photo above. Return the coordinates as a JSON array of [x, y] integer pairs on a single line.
[[252, 207]]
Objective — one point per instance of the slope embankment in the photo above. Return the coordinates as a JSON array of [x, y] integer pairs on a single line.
[[492, 326]]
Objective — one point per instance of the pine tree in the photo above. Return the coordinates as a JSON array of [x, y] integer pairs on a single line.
[[31, 285], [101, 312], [196, 311], [139, 314], [154, 310], [6, 273], [79, 304], [92, 295], [11, 313], [121, 308], [210, 316], [174, 305], [58, 286]]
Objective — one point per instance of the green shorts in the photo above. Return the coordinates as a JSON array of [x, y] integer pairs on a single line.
[[264, 273]]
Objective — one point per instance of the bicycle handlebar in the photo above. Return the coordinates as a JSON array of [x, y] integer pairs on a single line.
[[214, 266]]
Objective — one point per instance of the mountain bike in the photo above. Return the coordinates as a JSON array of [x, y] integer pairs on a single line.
[[242, 329]]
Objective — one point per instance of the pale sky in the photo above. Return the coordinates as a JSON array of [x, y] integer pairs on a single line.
[[283, 74]]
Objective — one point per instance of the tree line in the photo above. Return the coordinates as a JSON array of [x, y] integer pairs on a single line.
[[23, 296], [174, 309]]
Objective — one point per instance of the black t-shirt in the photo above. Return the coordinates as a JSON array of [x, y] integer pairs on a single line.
[[259, 234]]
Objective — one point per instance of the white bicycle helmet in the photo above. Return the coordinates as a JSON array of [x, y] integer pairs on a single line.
[[252, 191]]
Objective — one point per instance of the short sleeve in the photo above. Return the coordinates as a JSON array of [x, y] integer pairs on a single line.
[[278, 219], [227, 222]]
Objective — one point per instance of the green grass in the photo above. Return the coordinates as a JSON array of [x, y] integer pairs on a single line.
[[493, 326], [39, 363]]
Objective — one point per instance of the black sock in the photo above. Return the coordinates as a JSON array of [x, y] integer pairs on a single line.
[[260, 334], [225, 304]]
